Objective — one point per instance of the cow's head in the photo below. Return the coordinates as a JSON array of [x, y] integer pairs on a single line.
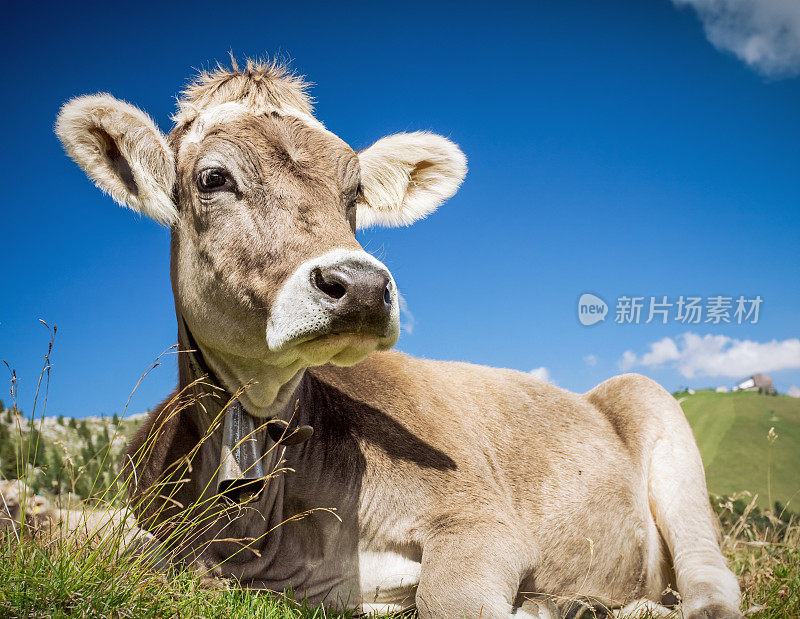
[[263, 203]]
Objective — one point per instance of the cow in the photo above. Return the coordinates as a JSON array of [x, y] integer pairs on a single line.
[[391, 482]]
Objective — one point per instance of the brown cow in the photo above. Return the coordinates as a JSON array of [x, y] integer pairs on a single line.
[[463, 490]]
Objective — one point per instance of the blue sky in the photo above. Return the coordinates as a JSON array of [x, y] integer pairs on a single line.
[[618, 148]]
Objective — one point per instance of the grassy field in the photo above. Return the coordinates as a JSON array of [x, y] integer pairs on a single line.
[[42, 577], [732, 433]]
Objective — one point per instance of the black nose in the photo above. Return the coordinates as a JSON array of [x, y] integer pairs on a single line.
[[359, 295]]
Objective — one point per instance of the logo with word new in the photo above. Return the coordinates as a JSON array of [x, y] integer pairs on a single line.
[[591, 309]]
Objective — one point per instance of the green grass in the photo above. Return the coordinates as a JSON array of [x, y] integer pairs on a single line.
[[763, 550], [731, 431], [61, 578]]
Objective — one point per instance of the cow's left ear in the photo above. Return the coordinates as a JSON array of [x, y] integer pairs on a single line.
[[405, 177]]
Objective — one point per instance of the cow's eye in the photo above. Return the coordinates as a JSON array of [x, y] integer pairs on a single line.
[[213, 179]]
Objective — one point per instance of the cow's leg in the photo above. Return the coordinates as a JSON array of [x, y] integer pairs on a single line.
[[653, 424], [469, 574]]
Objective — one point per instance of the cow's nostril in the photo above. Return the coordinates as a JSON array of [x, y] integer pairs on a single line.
[[387, 295], [329, 285]]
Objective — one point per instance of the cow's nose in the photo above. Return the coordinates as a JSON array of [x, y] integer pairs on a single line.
[[359, 294]]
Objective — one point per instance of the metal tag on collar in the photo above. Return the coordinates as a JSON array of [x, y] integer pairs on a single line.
[[283, 434]]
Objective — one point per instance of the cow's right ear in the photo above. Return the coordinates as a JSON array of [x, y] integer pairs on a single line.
[[122, 151]]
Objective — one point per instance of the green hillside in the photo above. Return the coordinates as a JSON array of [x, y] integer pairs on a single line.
[[58, 455], [732, 433]]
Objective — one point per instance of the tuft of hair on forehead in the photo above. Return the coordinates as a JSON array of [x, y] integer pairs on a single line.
[[261, 85]]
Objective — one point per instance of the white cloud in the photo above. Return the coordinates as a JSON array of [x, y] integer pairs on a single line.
[[716, 355], [794, 391], [765, 34], [661, 352], [407, 320], [628, 361], [591, 360], [542, 373]]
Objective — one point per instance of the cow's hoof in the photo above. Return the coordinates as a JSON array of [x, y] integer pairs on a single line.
[[715, 611]]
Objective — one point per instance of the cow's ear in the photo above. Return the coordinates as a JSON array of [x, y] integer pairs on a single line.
[[122, 151], [405, 177]]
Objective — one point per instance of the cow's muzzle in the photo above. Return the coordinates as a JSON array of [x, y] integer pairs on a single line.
[[357, 293], [341, 293]]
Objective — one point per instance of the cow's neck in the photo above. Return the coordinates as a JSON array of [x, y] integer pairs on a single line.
[[264, 387], [318, 478]]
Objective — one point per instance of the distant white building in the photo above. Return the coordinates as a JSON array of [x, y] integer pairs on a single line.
[[757, 382], [721, 389]]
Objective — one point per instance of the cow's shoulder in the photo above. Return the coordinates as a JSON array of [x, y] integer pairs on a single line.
[[386, 378], [460, 400]]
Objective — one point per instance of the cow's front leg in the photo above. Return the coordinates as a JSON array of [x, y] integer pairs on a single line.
[[469, 574]]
